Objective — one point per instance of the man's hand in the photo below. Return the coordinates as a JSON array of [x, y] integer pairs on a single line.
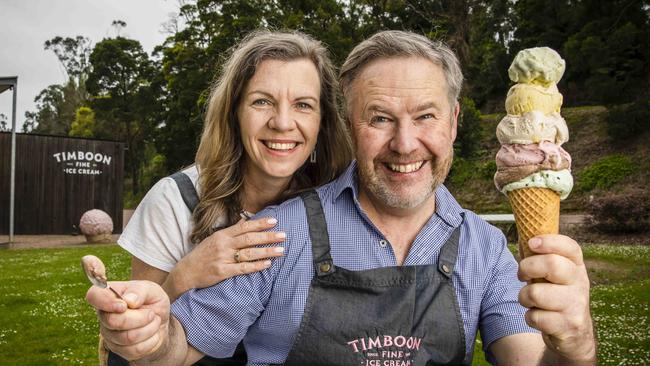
[[560, 307], [138, 327]]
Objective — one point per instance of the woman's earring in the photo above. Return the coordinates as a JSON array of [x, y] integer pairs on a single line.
[[312, 156]]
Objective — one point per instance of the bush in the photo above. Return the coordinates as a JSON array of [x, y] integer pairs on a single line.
[[464, 170], [627, 121], [623, 212], [153, 170], [461, 171], [469, 129], [606, 172], [131, 200], [487, 169], [83, 124]]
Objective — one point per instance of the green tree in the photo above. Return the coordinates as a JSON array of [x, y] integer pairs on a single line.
[[124, 98], [606, 45], [469, 129], [73, 54], [56, 105], [609, 54], [447, 20], [326, 20], [55, 109], [84, 123], [542, 23], [486, 72]]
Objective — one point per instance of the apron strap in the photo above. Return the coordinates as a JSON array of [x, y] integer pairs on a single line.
[[449, 252], [188, 192], [320, 241]]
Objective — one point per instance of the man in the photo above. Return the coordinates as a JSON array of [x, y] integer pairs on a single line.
[[381, 266]]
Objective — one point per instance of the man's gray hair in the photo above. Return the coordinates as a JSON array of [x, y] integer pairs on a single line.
[[388, 44]]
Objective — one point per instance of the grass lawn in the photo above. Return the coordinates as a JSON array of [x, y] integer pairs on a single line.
[[45, 321]]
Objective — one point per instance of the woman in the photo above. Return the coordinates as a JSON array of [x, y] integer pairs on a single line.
[[274, 106]]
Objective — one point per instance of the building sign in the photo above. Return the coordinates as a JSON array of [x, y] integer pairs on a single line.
[[82, 162], [58, 178]]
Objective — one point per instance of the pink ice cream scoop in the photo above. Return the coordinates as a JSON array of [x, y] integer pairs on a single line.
[[515, 162], [95, 270], [545, 153]]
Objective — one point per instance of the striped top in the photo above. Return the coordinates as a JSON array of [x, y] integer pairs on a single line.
[[265, 308]]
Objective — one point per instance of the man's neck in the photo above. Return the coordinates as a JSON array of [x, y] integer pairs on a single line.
[[399, 225]]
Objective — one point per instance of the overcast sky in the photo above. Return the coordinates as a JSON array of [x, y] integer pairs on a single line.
[[27, 24]]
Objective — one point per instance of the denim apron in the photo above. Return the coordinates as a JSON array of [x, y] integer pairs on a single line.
[[390, 316]]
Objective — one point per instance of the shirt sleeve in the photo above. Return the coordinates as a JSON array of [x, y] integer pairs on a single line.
[[217, 318], [501, 313], [158, 231]]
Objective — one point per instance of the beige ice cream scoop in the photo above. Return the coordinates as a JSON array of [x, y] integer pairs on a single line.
[[96, 272], [532, 128]]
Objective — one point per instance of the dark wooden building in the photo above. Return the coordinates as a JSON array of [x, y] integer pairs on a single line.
[[57, 180]]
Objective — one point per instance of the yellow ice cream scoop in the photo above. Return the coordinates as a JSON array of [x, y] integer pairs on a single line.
[[524, 98], [538, 65]]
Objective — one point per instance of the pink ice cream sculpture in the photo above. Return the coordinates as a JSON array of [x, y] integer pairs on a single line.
[[97, 226]]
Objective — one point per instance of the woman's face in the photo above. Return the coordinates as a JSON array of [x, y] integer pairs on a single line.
[[279, 116]]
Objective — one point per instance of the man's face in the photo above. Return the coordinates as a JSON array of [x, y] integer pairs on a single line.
[[403, 129]]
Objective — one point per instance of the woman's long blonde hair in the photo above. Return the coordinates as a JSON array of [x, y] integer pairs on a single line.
[[220, 155]]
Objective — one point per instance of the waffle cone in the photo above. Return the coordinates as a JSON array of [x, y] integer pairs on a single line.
[[537, 211]]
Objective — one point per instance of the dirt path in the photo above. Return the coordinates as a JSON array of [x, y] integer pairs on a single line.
[[49, 241], [44, 241]]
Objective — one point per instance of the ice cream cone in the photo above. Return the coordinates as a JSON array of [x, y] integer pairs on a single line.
[[537, 211]]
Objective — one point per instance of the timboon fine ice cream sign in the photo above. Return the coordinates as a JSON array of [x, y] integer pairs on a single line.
[[82, 162]]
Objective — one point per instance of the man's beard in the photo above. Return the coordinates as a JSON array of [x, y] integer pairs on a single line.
[[369, 178]]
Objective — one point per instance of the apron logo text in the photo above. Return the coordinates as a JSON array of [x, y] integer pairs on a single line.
[[412, 343]]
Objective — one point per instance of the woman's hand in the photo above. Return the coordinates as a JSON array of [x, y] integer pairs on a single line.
[[226, 253]]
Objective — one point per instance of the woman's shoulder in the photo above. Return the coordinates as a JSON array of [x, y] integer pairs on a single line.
[[166, 193], [168, 188], [193, 173], [158, 231]]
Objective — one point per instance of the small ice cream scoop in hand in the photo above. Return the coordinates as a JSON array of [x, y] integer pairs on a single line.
[[96, 272]]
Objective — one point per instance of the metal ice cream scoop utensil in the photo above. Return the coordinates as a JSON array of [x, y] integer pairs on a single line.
[[96, 272]]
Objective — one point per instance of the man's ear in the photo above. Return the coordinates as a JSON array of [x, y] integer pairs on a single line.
[[454, 121]]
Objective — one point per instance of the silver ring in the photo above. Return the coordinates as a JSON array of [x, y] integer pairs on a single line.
[[237, 257]]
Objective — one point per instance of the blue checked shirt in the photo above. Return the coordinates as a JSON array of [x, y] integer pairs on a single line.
[[265, 308]]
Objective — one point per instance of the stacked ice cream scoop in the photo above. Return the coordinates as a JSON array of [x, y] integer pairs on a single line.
[[532, 167]]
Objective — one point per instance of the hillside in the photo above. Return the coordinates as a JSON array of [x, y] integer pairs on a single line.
[[471, 180]]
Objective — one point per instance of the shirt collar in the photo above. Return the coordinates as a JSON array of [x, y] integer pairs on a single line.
[[347, 180], [447, 208]]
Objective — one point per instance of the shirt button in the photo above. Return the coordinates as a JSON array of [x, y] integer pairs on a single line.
[[445, 268], [383, 243], [325, 267]]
